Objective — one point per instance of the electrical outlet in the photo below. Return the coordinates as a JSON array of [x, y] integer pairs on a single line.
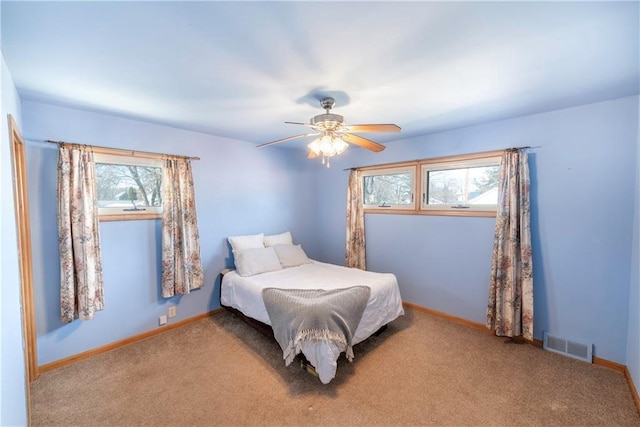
[[172, 311], [163, 320]]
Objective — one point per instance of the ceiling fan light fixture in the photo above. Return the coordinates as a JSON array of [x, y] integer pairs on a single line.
[[315, 146], [328, 145], [340, 145]]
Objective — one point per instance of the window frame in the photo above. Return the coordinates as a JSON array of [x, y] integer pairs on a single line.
[[419, 168], [120, 214], [434, 166], [399, 169]]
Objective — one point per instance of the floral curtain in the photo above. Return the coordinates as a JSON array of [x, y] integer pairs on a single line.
[[81, 281], [181, 263], [510, 306], [355, 250]]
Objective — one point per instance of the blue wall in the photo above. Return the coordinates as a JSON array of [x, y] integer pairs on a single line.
[[583, 179], [13, 408], [633, 339], [239, 190]]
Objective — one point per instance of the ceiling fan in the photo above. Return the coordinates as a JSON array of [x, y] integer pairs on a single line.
[[334, 135]]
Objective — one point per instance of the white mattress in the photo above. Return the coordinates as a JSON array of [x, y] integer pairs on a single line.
[[385, 303]]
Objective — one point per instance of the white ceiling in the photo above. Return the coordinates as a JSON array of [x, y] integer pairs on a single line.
[[240, 69]]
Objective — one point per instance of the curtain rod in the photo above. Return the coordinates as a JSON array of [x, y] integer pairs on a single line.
[[453, 155], [122, 151]]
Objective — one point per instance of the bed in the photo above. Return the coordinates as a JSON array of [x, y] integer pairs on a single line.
[[242, 290]]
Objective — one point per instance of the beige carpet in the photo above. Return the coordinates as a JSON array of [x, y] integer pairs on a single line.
[[422, 370]]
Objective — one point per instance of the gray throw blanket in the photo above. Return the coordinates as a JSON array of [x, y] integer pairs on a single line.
[[308, 315]]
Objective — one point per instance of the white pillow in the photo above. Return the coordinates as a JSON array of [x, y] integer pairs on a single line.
[[279, 239], [255, 261], [239, 243], [291, 255]]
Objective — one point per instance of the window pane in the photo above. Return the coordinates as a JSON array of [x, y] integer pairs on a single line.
[[469, 186], [388, 189], [128, 186]]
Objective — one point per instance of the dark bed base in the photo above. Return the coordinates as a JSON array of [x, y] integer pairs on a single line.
[[263, 328]]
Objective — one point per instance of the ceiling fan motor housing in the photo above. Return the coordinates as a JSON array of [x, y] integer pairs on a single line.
[[327, 103], [327, 121]]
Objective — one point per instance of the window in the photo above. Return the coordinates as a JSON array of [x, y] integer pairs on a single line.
[[461, 185], [464, 185], [389, 188], [128, 186]]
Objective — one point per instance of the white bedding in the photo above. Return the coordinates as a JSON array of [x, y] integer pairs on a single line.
[[385, 303]]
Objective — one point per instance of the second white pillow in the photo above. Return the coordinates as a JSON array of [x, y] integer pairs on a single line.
[[291, 255]]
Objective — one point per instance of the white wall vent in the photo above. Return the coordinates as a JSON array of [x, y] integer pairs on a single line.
[[576, 349]]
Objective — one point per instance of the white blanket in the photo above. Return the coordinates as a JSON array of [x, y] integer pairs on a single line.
[[384, 305]]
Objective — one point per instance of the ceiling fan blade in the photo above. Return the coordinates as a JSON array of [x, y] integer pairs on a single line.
[[373, 128], [312, 155], [286, 139], [298, 123], [362, 142]]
